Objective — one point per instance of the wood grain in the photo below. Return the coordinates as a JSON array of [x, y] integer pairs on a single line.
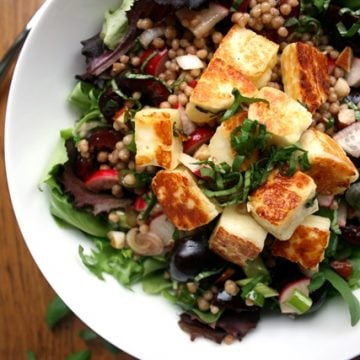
[[24, 293]]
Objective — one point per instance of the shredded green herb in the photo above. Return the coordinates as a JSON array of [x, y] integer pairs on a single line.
[[237, 104], [230, 185]]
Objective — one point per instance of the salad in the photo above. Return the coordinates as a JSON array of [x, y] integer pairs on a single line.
[[216, 156]]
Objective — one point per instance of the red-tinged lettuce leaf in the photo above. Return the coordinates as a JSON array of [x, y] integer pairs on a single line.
[[230, 323], [83, 198], [92, 47], [238, 324], [141, 9], [197, 329]]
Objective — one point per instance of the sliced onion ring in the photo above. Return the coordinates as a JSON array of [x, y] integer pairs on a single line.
[[149, 35], [189, 62]]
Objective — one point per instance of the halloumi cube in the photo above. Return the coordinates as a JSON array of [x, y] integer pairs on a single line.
[[330, 167], [182, 200], [219, 147], [284, 117], [307, 244], [305, 74], [250, 53], [237, 237], [156, 143], [213, 92], [282, 203]]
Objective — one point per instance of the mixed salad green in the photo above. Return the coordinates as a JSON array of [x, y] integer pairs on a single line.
[[106, 198]]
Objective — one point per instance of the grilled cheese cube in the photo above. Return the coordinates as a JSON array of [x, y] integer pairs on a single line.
[[237, 237], [182, 200], [154, 138], [331, 169], [220, 148], [284, 117], [250, 53], [282, 203], [308, 243], [305, 74], [213, 92]]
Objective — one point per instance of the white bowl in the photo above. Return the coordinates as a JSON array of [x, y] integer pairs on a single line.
[[142, 325]]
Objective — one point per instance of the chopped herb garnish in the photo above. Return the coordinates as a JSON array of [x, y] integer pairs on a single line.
[[236, 5], [249, 136], [56, 311], [147, 60], [80, 355], [304, 24], [151, 202], [237, 104], [147, 77], [344, 32], [30, 355], [330, 123], [232, 185]]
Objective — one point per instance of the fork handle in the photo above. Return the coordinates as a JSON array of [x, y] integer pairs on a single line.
[[10, 55]]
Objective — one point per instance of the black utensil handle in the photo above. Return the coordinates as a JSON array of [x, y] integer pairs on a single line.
[[10, 55]]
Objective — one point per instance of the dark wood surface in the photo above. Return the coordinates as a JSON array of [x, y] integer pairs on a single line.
[[24, 293]]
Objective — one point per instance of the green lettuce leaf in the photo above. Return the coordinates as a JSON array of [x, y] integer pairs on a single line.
[[61, 208], [115, 24], [120, 263], [155, 283], [84, 96]]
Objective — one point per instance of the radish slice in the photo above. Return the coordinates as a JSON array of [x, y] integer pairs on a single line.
[[325, 200], [200, 136], [140, 204], [342, 214], [103, 179], [154, 61], [189, 62], [149, 35], [162, 227], [349, 139], [294, 297], [342, 267]]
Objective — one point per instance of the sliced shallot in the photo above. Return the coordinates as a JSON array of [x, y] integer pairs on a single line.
[[149, 35], [189, 62], [349, 139]]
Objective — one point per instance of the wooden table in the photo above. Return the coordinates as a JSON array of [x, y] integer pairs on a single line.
[[24, 293]]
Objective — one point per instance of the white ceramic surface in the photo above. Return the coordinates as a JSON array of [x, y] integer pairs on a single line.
[[142, 325]]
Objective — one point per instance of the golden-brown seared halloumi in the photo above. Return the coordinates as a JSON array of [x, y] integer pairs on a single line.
[[282, 203], [182, 200], [305, 74], [213, 92], [284, 117], [237, 237], [155, 141], [220, 148], [250, 53], [331, 169], [307, 244]]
